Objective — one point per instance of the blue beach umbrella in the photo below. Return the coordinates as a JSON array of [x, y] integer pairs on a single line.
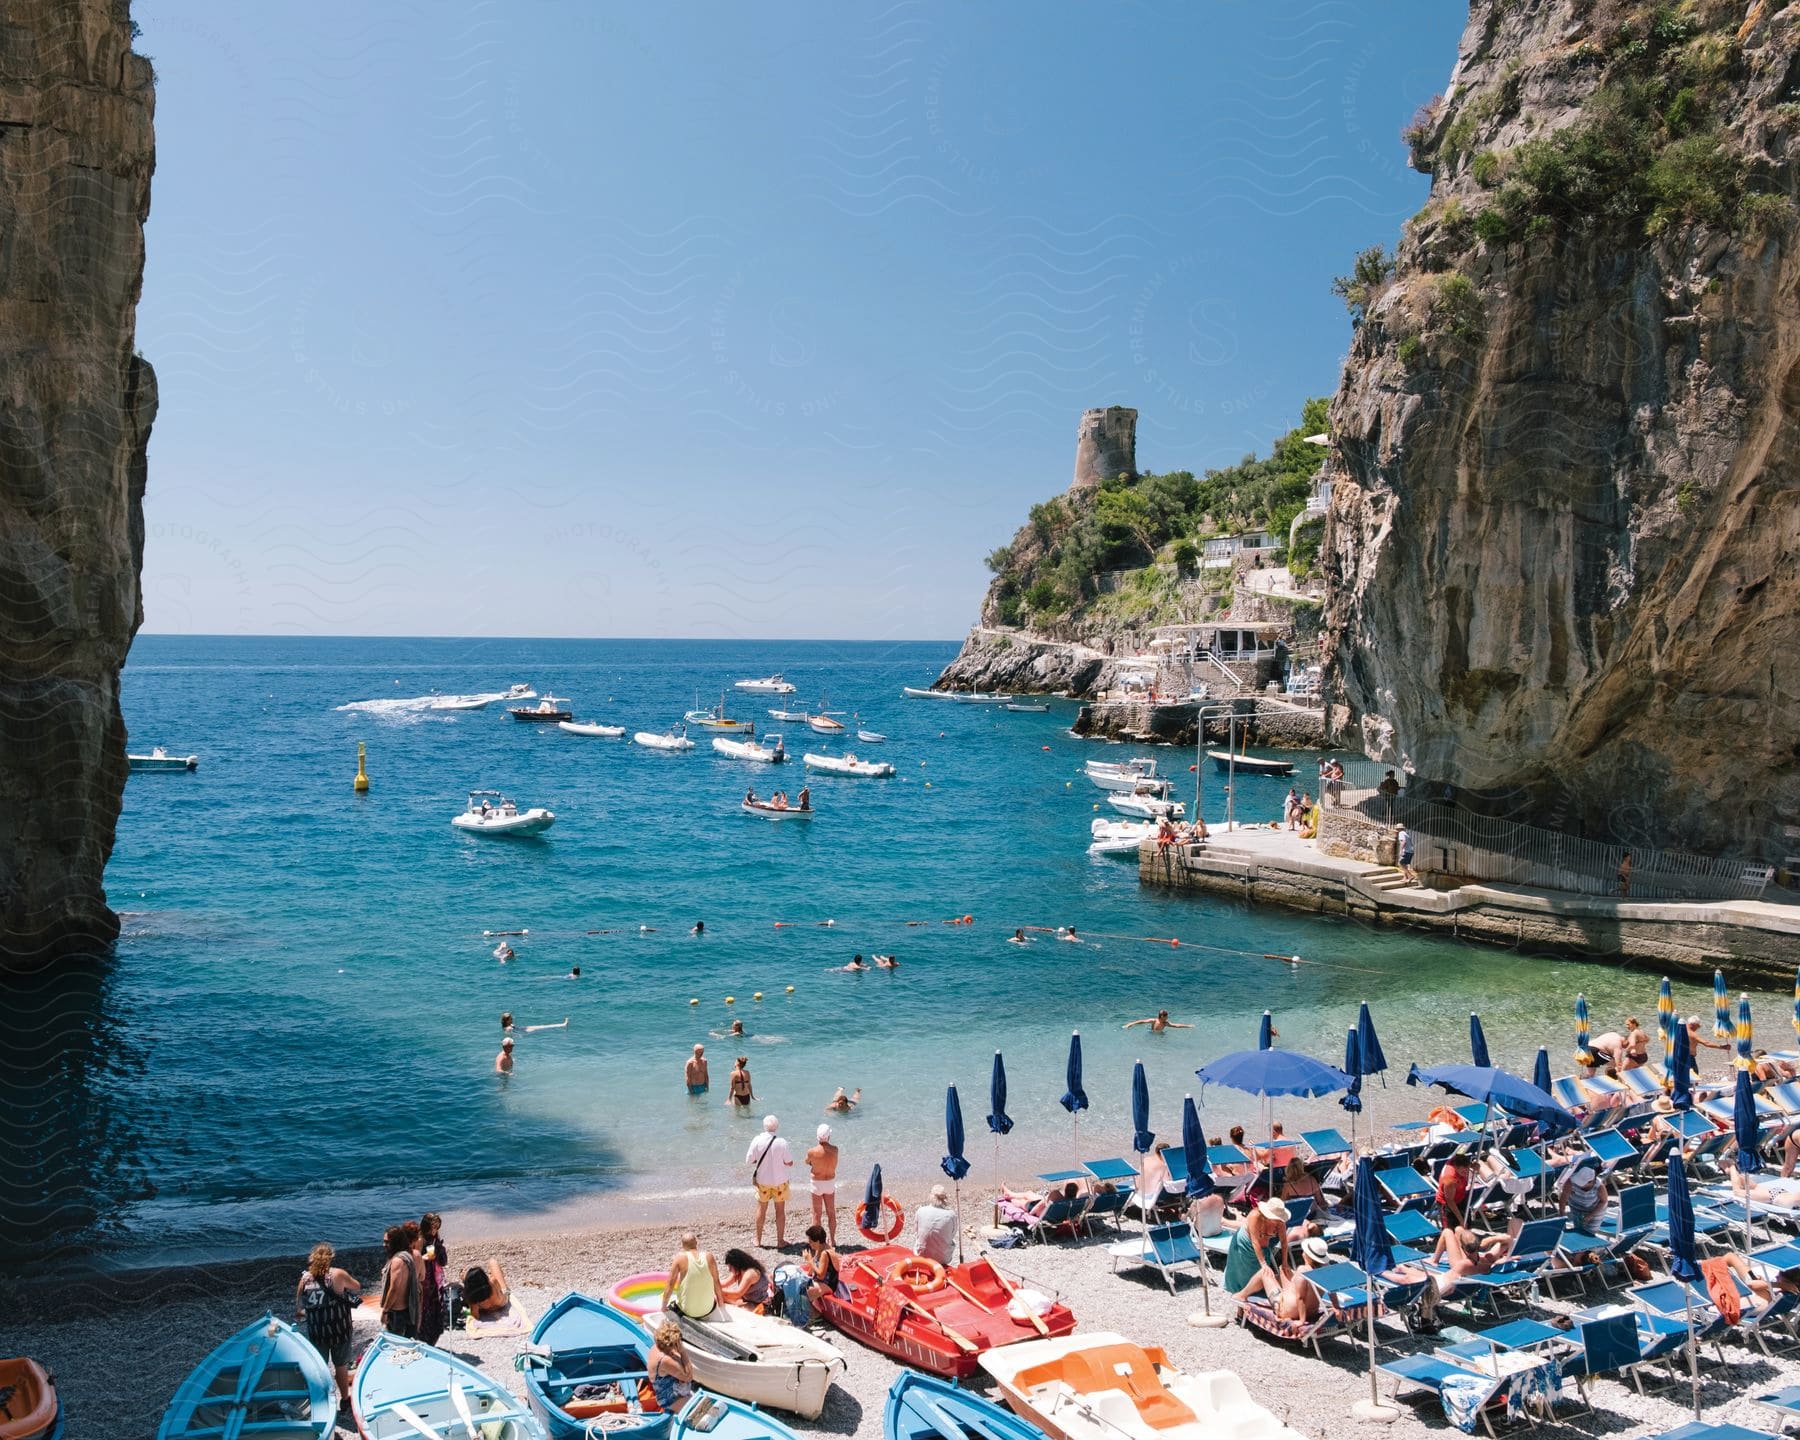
[[998, 1120], [1744, 1033], [1797, 1000], [1682, 1263], [1665, 1021], [1721, 1008], [1682, 1095], [954, 1164], [1745, 1128], [1370, 1249], [1478, 1051], [1074, 1099], [1540, 1070], [1199, 1181], [1584, 1054], [1265, 1034], [1352, 1100], [1142, 1136], [1368, 1045], [871, 1206], [1500, 1089], [1268, 1073]]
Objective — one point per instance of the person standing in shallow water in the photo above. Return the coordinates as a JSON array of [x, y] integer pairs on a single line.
[[738, 1090], [696, 1072]]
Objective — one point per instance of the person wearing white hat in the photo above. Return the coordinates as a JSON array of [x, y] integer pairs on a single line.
[[770, 1160], [822, 1161], [1257, 1261]]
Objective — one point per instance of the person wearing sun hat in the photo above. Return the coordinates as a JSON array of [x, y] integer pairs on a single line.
[[1257, 1260]]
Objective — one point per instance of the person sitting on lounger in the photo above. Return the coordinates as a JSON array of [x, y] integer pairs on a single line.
[[1464, 1252], [1777, 1190], [1026, 1207], [1297, 1183], [1148, 1195], [1300, 1298]]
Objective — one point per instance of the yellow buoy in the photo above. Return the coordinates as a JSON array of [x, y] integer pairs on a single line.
[[694, 1001], [757, 995], [362, 772], [731, 999], [790, 990]]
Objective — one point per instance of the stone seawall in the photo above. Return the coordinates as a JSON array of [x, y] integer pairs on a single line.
[[1269, 723]]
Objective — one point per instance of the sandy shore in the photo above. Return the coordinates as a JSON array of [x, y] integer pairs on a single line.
[[119, 1346]]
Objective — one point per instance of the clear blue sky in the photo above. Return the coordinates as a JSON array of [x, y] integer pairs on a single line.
[[559, 318]]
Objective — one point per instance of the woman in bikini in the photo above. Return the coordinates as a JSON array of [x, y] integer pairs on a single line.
[[738, 1091]]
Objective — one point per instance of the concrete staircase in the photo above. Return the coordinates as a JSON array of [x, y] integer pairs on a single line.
[[1387, 877]]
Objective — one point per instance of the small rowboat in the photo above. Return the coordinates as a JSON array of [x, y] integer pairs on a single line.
[[669, 740], [1019, 709], [1249, 764], [923, 1407], [941, 1328], [267, 1380], [31, 1410], [979, 697], [793, 717], [719, 1418], [769, 685], [1101, 1386], [848, 765], [777, 812], [604, 732], [491, 813], [161, 759], [770, 752], [406, 1389], [548, 711], [758, 1358], [584, 1341], [871, 737]]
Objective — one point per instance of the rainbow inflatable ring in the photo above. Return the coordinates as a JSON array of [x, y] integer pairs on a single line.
[[639, 1294]]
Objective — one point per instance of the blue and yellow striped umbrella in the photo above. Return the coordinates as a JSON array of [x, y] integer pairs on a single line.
[[1665, 1021], [1584, 1056], [1721, 1008], [1797, 1000], [1744, 1033]]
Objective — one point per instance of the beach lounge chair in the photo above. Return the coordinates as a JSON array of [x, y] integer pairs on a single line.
[[1405, 1188], [1614, 1151], [1060, 1215], [1163, 1248], [1427, 1372], [1410, 1227], [1785, 1402], [1625, 1226], [1605, 1345], [1701, 1430], [1325, 1144], [1670, 1299], [1772, 1327], [1529, 1165], [1521, 1334], [1533, 1249], [1643, 1080], [1334, 1318]]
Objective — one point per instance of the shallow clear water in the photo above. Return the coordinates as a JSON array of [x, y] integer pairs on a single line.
[[298, 1034]]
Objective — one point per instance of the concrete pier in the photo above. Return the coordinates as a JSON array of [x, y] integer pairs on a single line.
[[1276, 867]]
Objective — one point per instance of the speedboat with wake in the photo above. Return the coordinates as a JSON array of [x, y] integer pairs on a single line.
[[441, 702], [604, 732], [584, 1344], [913, 692], [848, 765], [491, 813], [548, 711], [266, 1380], [1101, 1386], [769, 752], [1249, 764], [161, 759], [1119, 837], [674, 738], [406, 1389], [759, 1358], [768, 685]]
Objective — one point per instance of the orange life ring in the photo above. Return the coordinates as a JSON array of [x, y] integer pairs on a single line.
[[896, 1217], [919, 1273]]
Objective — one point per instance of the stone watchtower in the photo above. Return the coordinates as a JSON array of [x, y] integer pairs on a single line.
[[1105, 445]]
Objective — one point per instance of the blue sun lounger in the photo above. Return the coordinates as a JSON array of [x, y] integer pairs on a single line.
[[1613, 1149], [1533, 1250], [1163, 1248], [1325, 1144], [1785, 1402], [1699, 1430], [1670, 1300], [1606, 1345], [1427, 1372], [1405, 1188]]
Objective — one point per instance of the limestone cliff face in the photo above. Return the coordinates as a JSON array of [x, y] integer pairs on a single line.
[[76, 154], [1563, 554]]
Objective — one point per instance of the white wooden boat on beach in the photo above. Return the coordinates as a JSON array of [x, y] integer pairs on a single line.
[[848, 765], [768, 685], [604, 732], [1119, 837], [1249, 764], [770, 752], [758, 1358], [673, 739], [161, 759], [491, 813]]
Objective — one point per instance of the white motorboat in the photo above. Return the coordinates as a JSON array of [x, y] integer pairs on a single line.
[[1249, 764], [551, 710], [491, 813], [1148, 805], [871, 737], [1119, 837], [848, 765], [768, 685], [770, 752], [674, 739], [717, 719], [793, 717], [1019, 709], [767, 1361], [912, 692], [1123, 777], [161, 759], [769, 810], [979, 697], [604, 732], [1100, 1386], [441, 702]]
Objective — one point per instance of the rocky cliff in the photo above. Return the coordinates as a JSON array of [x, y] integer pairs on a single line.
[[1562, 547], [76, 154]]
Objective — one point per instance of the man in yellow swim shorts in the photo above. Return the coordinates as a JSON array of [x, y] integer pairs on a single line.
[[770, 1160]]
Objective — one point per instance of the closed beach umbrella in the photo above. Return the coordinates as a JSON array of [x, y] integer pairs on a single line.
[[954, 1163], [1478, 1051], [1368, 1045], [1744, 1033], [1199, 1185], [1540, 1071], [871, 1206], [1142, 1136], [1373, 1254], [1682, 1264], [1352, 1098], [1721, 1008], [1665, 1021], [1797, 1000], [1074, 1099], [999, 1122], [1746, 1130], [1584, 1054], [1265, 1034], [1682, 1096]]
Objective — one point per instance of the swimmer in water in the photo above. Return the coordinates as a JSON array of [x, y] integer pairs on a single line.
[[856, 963], [700, 925], [506, 1022], [1158, 1023], [503, 952], [503, 1062], [1068, 933], [575, 973], [886, 962], [737, 1027], [842, 1103], [1018, 937]]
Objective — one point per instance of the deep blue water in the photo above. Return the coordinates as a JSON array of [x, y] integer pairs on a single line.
[[296, 1039]]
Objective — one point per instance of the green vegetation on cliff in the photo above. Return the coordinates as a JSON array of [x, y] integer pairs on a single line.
[[1064, 561]]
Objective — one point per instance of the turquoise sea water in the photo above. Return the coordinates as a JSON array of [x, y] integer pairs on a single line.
[[297, 1034]]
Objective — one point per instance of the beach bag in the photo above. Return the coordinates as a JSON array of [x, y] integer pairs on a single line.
[[477, 1288], [453, 1306], [327, 1313]]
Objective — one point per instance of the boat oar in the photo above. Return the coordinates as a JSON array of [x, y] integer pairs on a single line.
[[1013, 1296], [963, 1342]]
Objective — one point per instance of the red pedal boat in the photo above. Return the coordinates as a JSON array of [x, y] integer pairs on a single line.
[[936, 1319]]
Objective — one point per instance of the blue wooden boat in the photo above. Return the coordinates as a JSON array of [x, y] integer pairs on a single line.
[[267, 1381], [584, 1341], [406, 1389], [923, 1407], [721, 1418]]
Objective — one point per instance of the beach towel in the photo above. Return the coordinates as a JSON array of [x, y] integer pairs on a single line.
[[1721, 1286], [513, 1320]]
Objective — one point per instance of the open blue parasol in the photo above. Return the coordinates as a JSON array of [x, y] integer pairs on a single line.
[[1500, 1089], [1268, 1073]]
